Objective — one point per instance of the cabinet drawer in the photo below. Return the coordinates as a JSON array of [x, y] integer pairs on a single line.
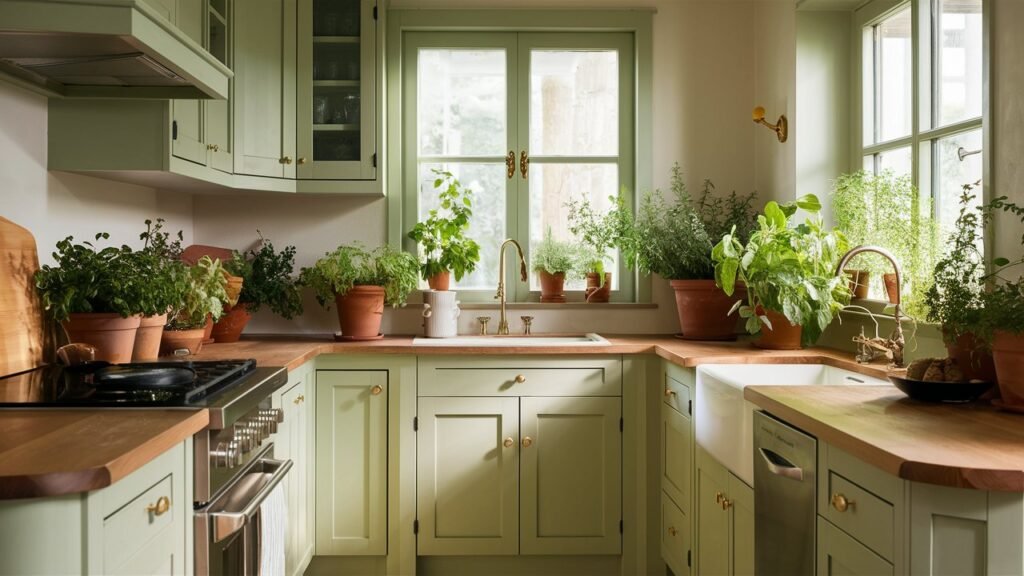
[[866, 517], [677, 395], [516, 377], [841, 555], [127, 531], [675, 536]]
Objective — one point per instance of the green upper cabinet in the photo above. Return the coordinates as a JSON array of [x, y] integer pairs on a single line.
[[264, 35], [337, 90]]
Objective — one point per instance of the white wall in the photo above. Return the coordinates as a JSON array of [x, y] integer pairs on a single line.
[[774, 54], [54, 205], [704, 89], [1007, 127]]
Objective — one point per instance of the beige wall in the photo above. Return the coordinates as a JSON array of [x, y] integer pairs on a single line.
[[774, 54], [53, 205], [1007, 120]]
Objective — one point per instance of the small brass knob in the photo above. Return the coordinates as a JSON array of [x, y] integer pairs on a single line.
[[726, 504], [286, 160], [299, 400], [527, 442], [718, 497], [519, 379], [669, 392], [163, 504], [214, 147], [509, 442], [841, 503], [672, 531], [302, 160], [376, 390]]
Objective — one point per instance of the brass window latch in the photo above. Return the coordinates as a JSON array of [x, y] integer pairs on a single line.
[[524, 164]]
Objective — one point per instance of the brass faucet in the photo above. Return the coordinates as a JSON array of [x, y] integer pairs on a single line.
[[894, 345], [503, 321]]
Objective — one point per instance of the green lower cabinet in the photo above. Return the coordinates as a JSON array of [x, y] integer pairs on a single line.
[[740, 503], [675, 537], [725, 521], [841, 555], [295, 441], [351, 462]]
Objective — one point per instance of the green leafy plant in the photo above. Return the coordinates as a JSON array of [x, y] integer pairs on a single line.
[[442, 236], [597, 231], [202, 294], [159, 272], [674, 239], [786, 269], [353, 265], [553, 256], [1002, 307], [886, 210], [268, 278]]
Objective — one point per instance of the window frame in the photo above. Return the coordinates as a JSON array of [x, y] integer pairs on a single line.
[[925, 128], [401, 209]]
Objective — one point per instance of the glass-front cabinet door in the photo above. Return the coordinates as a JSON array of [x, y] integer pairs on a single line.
[[337, 112]]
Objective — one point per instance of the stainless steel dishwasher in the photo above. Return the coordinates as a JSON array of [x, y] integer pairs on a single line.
[[785, 460]]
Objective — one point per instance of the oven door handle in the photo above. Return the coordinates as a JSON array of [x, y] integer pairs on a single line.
[[226, 524]]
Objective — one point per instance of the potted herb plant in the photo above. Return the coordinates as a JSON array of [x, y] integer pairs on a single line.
[[361, 282], [157, 270], [793, 292], [443, 237], [201, 295], [1003, 323], [267, 280], [553, 260], [91, 293], [674, 240], [598, 233]]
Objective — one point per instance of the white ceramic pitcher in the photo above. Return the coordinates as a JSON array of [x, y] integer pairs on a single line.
[[440, 314]]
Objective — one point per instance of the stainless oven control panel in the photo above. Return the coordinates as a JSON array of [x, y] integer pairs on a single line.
[[248, 434]]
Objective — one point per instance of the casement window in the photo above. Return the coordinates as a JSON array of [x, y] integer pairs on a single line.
[[528, 121], [922, 77]]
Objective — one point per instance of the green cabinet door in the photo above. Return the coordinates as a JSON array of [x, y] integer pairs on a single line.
[[467, 476], [676, 454], [712, 519], [841, 555], [188, 141], [351, 462], [294, 438], [571, 478], [264, 115], [740, 504]]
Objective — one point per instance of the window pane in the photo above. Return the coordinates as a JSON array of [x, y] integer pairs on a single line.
[[900, 161], [461, 108], [487, 227], [574, 103], [959, 63], [893, 73], [953, 174], [551, 187]]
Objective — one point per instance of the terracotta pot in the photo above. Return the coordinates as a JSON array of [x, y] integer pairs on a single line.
[[1008, 354], [111, 335], [859, 283], [552, 287], [704, 310], [440, 281], [598, 293], [230, 326], [891, 288], [208, 330], [360, 312], [233, 288], [176, 340], [781, 336], [147, 338], [973, 359]]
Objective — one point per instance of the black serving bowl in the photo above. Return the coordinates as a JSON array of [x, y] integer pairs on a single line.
[[941, 391]]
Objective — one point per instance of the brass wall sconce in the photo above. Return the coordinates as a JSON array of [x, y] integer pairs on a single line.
[[781, 127]]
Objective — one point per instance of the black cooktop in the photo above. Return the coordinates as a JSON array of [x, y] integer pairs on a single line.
[[102, 384]]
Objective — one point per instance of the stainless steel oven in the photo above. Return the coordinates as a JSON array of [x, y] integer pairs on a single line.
[[230, 529]]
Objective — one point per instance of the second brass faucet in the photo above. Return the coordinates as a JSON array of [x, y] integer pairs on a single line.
[[503, 320]]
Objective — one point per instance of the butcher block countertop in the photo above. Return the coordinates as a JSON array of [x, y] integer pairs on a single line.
[[55, 452], [961, 445]]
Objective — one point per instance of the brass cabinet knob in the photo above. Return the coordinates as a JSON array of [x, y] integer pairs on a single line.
[[672, 531], [214, 147], [301, 398], [163, 504], [718, 497], [519, 379], [527, 442], [726, 504], [302, 160], [286, 160], [669, 392], [509, 442], [376, 390], [841, 503]]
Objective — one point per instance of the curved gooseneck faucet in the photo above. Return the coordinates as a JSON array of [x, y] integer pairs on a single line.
[[896, 342], [503, 321]]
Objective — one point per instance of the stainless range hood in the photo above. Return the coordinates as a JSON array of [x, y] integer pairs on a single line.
[[104, 49]]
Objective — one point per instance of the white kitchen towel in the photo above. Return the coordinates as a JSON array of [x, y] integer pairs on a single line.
[[274, 520]]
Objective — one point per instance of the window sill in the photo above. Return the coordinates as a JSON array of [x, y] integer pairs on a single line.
[[552, 307]]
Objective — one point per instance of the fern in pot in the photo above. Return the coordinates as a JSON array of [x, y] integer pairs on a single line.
[[360, 282], [447, 250], [555, 260], [674, 240], [793, 292], [268, 279]]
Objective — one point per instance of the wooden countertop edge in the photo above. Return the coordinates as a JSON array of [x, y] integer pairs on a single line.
[[1000, 480], [101, 475]]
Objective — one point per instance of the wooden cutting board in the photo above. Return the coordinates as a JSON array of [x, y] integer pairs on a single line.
[[25, 340]]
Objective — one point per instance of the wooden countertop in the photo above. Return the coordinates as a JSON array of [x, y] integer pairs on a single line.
[[962, 445], [55, 452]]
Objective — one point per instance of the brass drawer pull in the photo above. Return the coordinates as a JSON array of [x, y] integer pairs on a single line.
[[672, 531], [376, 390], [726, 504], [213, 147], [841, 503], [163, 504], [519, 379], [299, 400], [669, 392], [527, 442], [509, 442], [285, 160], [718, 497]]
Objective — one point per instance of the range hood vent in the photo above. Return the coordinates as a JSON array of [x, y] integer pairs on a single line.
[[104, 48]]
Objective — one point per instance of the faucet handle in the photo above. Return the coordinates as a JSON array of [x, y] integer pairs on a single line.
[[527, 322], [483, 320]]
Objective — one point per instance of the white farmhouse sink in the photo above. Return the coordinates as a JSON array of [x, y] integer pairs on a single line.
[[533, 341], [725, 419]]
